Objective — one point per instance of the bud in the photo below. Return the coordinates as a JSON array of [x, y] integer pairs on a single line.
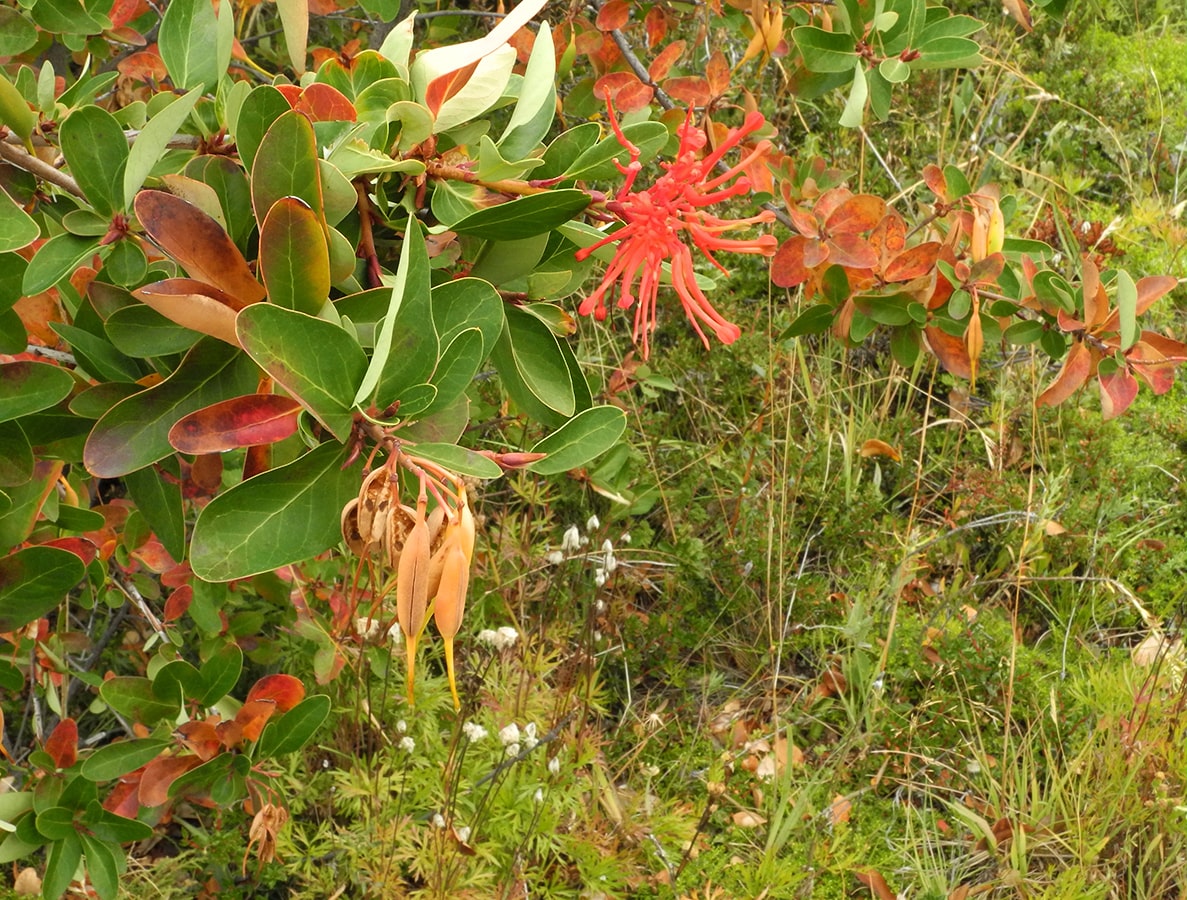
[[412, 587]]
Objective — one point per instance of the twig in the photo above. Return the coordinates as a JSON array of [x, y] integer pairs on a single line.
[[22, 159], [129, 590], [524, 754], [60, 356]]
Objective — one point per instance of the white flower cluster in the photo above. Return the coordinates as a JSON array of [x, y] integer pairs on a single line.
[[501, 639], [474, 732], [515, 740]]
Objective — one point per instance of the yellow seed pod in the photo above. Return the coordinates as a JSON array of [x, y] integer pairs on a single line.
[[996, 237], [412, 588], [450, 604]]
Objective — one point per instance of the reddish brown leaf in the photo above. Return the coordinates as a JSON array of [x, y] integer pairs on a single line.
[[861, 212], [852, 252], [198, 243], [1076, 369], [873, 879], [949, 350], [838, 810], [178, 603], [610, 85], [143, 66], [257, 459], [1154, 358], [238, 422], [442, 88], [159, 776], [1117, 391], [1151, 288], [691, 90], [889, 236], [248, 723], [914, 262], [717, 70], [634, 97], [62, 744], [290, 92], [1019, 12], [324, 103], [1096, 302], [80, 547], [665, 59], [586, 38], [283, 690], [613, 15], [787, 265], [655, 23], [933, 177], [200, 736]]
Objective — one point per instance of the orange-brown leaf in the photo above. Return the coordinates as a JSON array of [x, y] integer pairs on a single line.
[[861, 212], [250, 720], [717, 71], [325, 103], [1077, 366], [1117, 391], [913, 262], [949, 350], [159, 776], [283, 690], [665, 59], [692, 90], [655, 23], [613, 15], [62, 744], [189, 303], [873, 879], [198, 243], [440, 89]]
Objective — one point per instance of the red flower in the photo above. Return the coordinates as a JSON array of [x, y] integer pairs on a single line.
[[662, 221]]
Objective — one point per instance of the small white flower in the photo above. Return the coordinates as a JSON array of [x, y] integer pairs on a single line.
[[571, 541], [599, 576], [607, 547], [366, 628], [538, 797], [584, 540], [512, 751], [463, 834], [529, 736], [401, 726], [438, 820], [626, 537], [406, 743], [488, 636], [555, 558], [395, 635], [507, 637], [597, 636], [474, 732], [509, 734], [593, 523], [554, 766]]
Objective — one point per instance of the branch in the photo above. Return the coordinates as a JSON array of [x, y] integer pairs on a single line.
[[22, 159]]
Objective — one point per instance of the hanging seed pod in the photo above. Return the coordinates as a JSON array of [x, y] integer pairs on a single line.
[[399, 526], [376, 500], [412, 587], [350, 528], [450, 603]]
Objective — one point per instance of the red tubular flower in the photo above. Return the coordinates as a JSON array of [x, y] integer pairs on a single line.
[[661, 222]]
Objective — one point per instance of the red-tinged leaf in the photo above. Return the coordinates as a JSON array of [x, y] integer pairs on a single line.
[[949, 350], [291, 93], [1019, 12], [62, 744], [124, 11], [178, 603], [1077, 366], [189, 304], [200, 737], [1151, 288], [238, 422], [586, 37], [717, 71], [1067, 323], [933, 177], [610, 85], [153, 555], [124, 799], [852, 251], [913, 263], [294, 257], [284, 690], [843, 321], [1153, 358], [787, 266], [81, 547], [665, 59], [861, 212], [1096, 302], [873, 879], [159, 775], [1117, 391], [691, 90], [830, 201], [143, 66], [889, 236], [440, 89], [198, 244], [257, 460], [324, 103], [613, 15], [251, 720], [655, 23]]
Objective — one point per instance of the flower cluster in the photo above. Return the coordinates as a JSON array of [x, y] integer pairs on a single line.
[[662, 221]]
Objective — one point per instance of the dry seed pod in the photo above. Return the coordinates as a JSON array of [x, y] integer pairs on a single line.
[[399, 526], [350, 528], [375, 503]]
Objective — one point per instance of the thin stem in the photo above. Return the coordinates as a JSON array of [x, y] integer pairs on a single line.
[[23, 159]]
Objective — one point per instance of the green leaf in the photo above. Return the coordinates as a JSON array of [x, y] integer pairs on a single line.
[[56, 823], [17, 228], [294, 20], [568, 147], [110, 762], [294, 257], [598, 161], [263, 106], [101, 867], [286, 165], [27, 387], [468, 303], [1025, 332], [17, 34], [220, 673], [525, 216], [133, 696], [16, 455], [459, 460], [855, 106], [142, 332], [135, 432], [459, 363], [586, 436], [536, 106], [159, 500], [154, 137], [894, 70], [814, 320], [177, 681], [57, 258], [528, 349], [1127, 309], [948, 53], [825, 51], [33, 581], [65, 17], [96, 153], [316, 361], [107, 826], [189, 42], [61, 863], [905, 346], [294, 729], [280, 517]]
